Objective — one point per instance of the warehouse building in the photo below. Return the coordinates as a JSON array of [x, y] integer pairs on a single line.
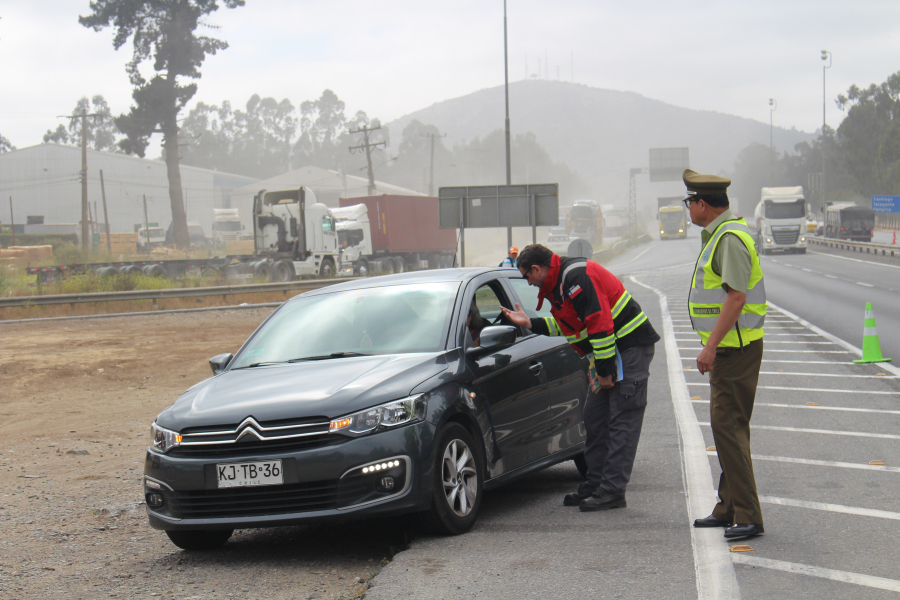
[[44, 182]]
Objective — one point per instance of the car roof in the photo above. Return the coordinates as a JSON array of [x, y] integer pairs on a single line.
[[458, 274]]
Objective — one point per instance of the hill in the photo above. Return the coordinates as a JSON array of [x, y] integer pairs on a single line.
[[602, 133]]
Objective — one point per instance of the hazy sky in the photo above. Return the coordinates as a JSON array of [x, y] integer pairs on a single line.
[[392, 57]]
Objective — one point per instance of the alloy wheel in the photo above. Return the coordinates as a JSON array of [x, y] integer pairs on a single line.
[[459, 477]]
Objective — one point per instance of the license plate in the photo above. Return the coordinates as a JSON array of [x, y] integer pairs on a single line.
[[248, 474]]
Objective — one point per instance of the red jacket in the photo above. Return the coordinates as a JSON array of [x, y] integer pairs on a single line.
[[591, 307]]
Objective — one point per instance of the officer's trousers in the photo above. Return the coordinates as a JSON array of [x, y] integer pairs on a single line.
[[613, 420], [732, 384]]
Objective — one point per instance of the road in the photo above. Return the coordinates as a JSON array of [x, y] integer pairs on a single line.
[[821, 426]]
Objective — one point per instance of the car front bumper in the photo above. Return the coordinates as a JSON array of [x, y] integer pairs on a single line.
[[320, 484]]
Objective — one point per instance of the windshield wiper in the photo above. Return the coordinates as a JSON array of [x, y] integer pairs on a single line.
[[327, 356], [261, 364]]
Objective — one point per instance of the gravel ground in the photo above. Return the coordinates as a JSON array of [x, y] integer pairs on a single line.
[[76, 401]]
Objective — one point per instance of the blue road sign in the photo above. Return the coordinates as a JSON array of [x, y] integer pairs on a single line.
[[886, 204]]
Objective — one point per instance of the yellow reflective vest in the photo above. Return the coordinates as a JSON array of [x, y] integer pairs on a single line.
[[708, 296]]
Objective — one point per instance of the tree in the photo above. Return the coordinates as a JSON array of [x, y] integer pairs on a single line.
[[166, 31], [101, 129], [5, 145], [322, 124]]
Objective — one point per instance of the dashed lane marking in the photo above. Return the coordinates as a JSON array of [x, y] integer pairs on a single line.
[[886, 436], [771, 342], [801, 362], [880, 377], [813, 571], [838, 508], [820, 463], [802, 389], [867, 262]]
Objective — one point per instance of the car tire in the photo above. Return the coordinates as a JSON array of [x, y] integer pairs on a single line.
[[263, 270], [363, 267], [581, 464], [200, 539], [387, 266], [284, 271], [453, 511]]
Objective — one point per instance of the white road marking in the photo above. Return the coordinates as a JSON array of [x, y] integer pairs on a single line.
[[800, 389], [806, 406], [802, 362], [886, 436], [821, 463], [769, 342], [838, 508], [831, 276], [871, 581], [853, 349], [831, 375], [869, 285], [769, 350], [867, 262], [714, 571]]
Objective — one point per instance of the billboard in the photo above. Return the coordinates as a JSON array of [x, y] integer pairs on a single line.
[[499, 206], [886, 204], [668, 164]]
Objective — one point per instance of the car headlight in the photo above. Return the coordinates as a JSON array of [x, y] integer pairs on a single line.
[[162, 440], [399, 412]]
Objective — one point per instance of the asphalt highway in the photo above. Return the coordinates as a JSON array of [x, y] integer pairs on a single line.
[[826, 447]]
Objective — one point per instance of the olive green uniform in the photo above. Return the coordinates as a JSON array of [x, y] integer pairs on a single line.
[[733, 382]]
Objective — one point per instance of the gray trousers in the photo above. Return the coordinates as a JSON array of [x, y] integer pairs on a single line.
[[613, 420]]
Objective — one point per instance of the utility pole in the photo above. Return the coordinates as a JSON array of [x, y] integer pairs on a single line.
[[105, 214], [506, 82], [146, 223], [826, 55], [431, 171], [368, 146], [12, 221], [84, 187], [774, 104]]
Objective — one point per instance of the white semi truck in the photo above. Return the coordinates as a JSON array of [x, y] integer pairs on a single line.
[[226, 226], [779, 221]]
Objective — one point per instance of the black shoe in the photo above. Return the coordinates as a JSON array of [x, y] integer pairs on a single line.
[[741, 530], [575, 498], [711, 521], [602, 501]]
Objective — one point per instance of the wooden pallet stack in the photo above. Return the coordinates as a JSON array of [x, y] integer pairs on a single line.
[[120, 243]]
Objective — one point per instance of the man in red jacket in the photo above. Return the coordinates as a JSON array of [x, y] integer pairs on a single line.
[[600, 319]]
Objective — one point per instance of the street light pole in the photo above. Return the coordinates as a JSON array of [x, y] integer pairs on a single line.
[[506, 80], [826, 55], [772, 103]]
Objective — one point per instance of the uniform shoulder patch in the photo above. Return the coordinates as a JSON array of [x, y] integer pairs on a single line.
[[574, 290]]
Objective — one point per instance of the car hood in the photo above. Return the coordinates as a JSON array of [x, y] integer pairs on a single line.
[[325, 388]]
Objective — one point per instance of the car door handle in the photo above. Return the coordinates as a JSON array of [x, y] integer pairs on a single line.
[[536, 368]]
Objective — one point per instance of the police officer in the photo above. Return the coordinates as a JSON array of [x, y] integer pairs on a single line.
[[599, 319], [728, 309], [510, 260]]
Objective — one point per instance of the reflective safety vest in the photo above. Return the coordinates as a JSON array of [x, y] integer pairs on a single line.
[[708, 296]]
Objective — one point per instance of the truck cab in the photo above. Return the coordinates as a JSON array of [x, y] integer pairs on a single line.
[[779, 221], [354, 237], [226, 226], [149, 238]]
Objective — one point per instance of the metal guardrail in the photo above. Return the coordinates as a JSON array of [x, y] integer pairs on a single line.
[[886, 250], [225, 290]]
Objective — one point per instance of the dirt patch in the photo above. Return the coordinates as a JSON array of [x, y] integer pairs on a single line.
[[76, 400]]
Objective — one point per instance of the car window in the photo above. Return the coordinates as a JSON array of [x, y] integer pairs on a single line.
[[384, 320], [528, 297], [484, 310]]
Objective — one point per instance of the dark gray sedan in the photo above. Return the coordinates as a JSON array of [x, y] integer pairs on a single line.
[[397, 394]]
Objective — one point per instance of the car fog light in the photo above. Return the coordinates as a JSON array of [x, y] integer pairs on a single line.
[[154, 500], [386, 484]]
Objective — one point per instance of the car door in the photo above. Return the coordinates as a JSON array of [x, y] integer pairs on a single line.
[[511, 383], [566, 373]]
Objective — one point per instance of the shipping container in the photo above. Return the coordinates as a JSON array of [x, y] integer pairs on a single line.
[[405, 224]]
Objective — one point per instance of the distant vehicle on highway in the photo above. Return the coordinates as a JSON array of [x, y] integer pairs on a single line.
[[779, 221], [149, 238], [673, 217], [559, 244], [365, 399], [847, 221]]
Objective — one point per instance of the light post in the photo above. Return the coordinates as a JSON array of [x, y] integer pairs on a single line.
[[774, 106], [826, 55], [506, 80]]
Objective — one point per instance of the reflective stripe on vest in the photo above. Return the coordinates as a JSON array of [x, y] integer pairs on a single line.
[[578, 336], [620, 304], [552, 326], [707, 297]]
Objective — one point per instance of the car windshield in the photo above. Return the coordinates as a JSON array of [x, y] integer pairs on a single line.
[[228, 226], [785, 210], [671, 217], [382, 320]]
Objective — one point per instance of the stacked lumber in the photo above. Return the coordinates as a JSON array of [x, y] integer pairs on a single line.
[[120, 243], [238, 247], [27, 253]]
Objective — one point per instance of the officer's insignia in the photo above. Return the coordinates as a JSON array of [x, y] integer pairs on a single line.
[[574, 291]]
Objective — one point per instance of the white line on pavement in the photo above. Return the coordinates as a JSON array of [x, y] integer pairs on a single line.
[[801, 362], [869, 285], [713, 570], [839, 508], [768, 342], [800, 389], [853, 349], [831, 375], [887, 436], [808, 407], [767, 350], [820, 463], [868, 262], [812, 571]]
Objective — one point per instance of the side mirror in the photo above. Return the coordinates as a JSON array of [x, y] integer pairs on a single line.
[[492, 338], [218, 362]]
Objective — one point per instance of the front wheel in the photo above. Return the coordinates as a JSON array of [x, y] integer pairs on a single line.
[[457, 483], [326, 271], [200, 539]]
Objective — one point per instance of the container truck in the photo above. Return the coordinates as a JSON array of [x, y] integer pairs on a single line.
[[673, 218], [585, 221], [847, 221], [391, 234], [779, 221]]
